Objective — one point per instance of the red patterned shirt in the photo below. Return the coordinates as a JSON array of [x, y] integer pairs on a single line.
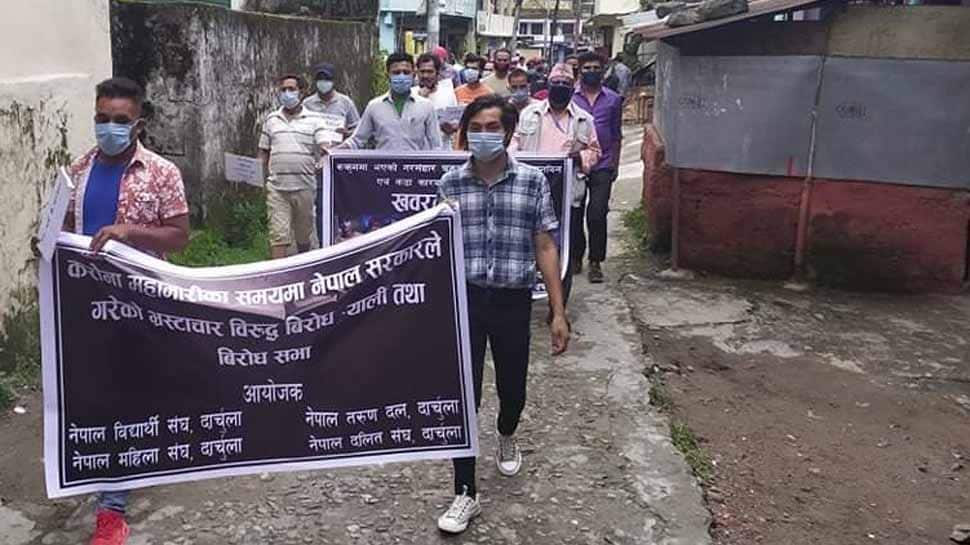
[[151, 189]]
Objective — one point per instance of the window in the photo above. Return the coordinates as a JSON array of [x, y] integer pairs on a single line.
[[523, 28], [567, 28], [537, 29]]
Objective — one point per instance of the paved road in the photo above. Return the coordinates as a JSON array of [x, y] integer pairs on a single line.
[[599, 467]]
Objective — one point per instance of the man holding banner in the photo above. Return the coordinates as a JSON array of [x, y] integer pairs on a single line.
[[398, 120], [507, 219], [127, 193], [557, 125]]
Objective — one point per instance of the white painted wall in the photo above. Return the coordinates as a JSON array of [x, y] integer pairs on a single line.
[[52, 54], [617, 6]]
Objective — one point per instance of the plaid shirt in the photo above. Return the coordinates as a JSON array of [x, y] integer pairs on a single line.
[[499, 222]]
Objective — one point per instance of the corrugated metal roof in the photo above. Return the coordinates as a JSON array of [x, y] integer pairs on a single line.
[[756, 8]]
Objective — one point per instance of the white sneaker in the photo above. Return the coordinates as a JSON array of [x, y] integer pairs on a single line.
[[509, 456], [462, 511]]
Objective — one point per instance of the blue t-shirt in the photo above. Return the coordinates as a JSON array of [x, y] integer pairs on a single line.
[[101, 196]]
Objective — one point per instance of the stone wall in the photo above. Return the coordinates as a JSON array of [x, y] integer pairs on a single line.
[[328, 9], [210, 76], [51, 57]]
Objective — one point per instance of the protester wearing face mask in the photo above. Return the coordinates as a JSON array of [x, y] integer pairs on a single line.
[[473, 87], [290, 146], [606, 107], [507, 222], [519, 89], [498, 80], [327, 100], [124, 192], [399, 119], [488, 70], [438, 91], [557, 125]]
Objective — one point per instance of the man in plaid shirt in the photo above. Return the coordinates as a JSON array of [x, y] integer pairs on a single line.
[[507, 220]]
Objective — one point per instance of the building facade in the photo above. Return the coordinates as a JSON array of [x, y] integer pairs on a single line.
[[403, 25], [52, 54]]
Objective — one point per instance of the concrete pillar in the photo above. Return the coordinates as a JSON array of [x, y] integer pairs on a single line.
[[387, 24]]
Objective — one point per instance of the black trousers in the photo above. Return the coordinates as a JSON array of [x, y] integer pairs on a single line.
[[500, 318], [594, 209]]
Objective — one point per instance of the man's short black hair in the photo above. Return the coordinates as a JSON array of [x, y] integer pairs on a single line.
[[473, 57], [400, 56], [300, 82], [590, 56], [429, 57], [121, 88], [509, 116], [502, 50], [518, 73]]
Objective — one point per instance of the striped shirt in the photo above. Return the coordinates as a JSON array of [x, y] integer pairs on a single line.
[[339, 105], [499, 222], [293, 144]]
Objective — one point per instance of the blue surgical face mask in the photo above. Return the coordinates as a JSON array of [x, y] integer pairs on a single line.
[[401, 84], [113, 138], [471, 75], [520, 96], [485, 146], [289, 99], [324, 86]]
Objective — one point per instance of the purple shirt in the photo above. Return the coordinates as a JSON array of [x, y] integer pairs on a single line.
[[607, 115]]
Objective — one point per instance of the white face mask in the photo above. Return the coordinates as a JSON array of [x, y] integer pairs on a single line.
[[324, 86], [289, 99]]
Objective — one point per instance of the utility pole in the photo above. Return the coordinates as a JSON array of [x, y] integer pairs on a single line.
[[514, 44], [434, 25], [552, 34], [578, 11]]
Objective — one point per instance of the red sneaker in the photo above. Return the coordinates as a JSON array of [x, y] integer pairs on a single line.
[[111, 528]]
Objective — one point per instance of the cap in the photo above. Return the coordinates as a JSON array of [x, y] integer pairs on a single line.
[[323, 70], [561, 71]]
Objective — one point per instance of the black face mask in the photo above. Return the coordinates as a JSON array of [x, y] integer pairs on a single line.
[[592, 79], [560, 95]]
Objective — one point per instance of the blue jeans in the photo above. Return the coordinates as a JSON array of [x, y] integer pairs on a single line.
[[115, 501]]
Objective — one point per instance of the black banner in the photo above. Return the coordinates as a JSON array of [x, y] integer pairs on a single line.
[[155, 373], [365, 190]]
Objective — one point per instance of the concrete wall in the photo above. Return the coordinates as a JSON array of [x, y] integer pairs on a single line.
[[209, 74], [330, 9], [52, 54], [911, 32], [859, 235]]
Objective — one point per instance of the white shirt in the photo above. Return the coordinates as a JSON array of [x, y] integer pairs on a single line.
[[442, 97]]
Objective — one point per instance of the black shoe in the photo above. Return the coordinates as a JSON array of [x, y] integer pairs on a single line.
[[576, 266], [595, 273]]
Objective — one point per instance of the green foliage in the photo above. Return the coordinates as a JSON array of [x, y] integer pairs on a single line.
[[236, 232], [379, 83], [19, 346], [686, 442], [631, 49], [638, 229], [660, 396]]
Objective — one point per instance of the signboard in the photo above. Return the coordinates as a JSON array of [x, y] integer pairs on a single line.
[[52, 216], [242, 169], [155, 373], [366, 190]]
